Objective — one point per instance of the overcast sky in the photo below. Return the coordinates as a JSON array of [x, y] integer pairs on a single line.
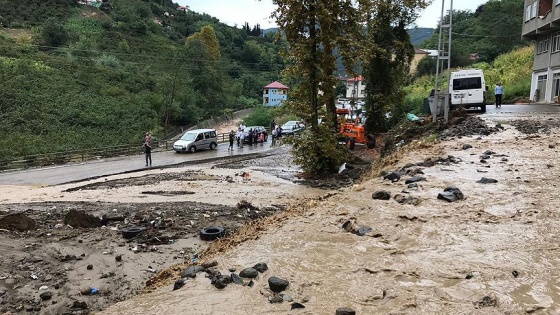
[[257, 12]]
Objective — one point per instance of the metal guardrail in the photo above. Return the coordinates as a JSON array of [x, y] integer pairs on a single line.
[[58, 158]]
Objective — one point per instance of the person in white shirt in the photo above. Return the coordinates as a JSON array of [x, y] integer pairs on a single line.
[[238, 136], [242, 138], [498, 92]]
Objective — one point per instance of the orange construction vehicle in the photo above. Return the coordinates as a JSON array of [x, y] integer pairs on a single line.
[[352, 132]]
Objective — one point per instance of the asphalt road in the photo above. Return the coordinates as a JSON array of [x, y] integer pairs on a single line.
[[59, 174], [522, 109]]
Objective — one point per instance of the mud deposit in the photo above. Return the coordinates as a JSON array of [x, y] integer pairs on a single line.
[[72, 249], [491, 251]]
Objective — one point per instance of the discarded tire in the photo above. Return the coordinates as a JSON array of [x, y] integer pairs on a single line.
[[131, 232], [211, 233]]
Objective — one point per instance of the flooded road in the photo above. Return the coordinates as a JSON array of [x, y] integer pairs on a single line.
[[495, 252]]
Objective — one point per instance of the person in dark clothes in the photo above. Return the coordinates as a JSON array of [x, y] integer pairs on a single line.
[[250, 137], [148, 149], [231, 139]]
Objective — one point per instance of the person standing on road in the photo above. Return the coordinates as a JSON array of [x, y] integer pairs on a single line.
[[242, 139], [273, 143], [238, 136], [231, 138], [272, 125], [498, 92], [148, 148]]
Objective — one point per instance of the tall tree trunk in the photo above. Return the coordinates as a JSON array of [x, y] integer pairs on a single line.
[[313, 74]]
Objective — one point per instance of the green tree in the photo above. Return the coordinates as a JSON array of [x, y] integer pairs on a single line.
[[388, 56], [53, 34], [313, 29]]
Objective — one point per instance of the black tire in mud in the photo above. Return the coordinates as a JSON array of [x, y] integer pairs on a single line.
[[131, 232], [192, 149], [211, 233]]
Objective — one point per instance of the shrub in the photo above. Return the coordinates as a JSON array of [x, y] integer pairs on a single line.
[[318, 154], [53, 34], [261, 116]]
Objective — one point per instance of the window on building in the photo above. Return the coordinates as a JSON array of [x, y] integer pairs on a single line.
[[555, 47], [556, 85], [542, 46], [534, 8], [528, 13]]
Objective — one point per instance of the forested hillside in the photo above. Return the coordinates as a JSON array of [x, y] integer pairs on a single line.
[[481, 36], [74, 76]]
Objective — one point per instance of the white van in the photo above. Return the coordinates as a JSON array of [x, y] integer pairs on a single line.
[[197, 139], [467, 88]]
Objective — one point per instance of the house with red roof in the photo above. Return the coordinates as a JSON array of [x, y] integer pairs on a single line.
[[355, 88], [275, 94]]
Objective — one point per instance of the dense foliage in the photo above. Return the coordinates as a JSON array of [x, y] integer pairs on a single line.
[[481, 36], [390, 53], [74, 76]]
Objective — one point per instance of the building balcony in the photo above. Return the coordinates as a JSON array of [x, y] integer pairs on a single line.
[[547, 20]]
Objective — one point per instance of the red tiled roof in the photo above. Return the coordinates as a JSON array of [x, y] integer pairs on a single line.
[[359, 78], [276, 85]]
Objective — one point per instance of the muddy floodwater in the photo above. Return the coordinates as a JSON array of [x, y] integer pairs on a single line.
[[494, 252]]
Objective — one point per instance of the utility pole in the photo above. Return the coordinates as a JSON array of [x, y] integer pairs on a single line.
[[441, 96]]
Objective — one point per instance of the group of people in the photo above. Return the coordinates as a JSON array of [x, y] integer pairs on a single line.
[[252, 136]]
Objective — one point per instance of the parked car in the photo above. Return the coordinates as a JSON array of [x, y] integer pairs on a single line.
[[258, 129], [291, 127], [194, 140]]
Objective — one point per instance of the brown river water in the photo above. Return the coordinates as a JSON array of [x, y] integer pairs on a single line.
[[503, 237]]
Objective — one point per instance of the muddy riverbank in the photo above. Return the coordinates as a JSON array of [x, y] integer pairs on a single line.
[[490, 252], [68, 249]]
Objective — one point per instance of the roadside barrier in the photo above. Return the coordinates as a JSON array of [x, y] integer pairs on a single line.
[[75, 156]]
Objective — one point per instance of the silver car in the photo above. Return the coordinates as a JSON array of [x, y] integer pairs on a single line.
[[194, 140]]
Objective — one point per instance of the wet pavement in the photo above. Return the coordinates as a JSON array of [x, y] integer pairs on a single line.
[[58, 174]]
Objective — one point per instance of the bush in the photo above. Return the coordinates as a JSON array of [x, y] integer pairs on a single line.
[[261, 116], [318, 154], [53, 34]]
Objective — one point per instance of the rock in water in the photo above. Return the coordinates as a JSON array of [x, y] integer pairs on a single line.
[[486, 180], [47, 295], [191, 271], [297, 306], [249, 273], [260, 267], [277, 284], [381, 195], [415, 179], [235, 278], [451, 194], [178, 284], [345, 311]]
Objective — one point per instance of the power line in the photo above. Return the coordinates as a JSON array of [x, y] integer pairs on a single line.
[[485, 36]]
